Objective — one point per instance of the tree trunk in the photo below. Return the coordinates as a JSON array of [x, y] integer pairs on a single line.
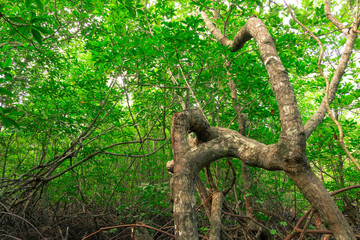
[[319, 198], [289, 154], [184, 204], [216, 211], [216, 143]]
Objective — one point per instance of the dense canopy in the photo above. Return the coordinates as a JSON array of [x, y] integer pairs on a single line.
[[113, 113]]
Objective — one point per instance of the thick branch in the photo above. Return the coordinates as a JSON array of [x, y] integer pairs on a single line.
[[326, 101], [289, 153], [292, 131], [215, 31], [333, 19], [320, 200], [319, 115], [218, 142]]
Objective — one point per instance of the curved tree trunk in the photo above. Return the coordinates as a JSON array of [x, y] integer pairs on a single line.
[[289, 154], [218, 143]]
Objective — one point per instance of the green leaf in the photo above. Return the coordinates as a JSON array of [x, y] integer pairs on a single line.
[[273, 231], [40, 5], [24, 30], [306, 2], [17, 20], [8, 110], [27, 3], [4, 91], [7, 62], [140, 12], [131, 10], [8, 122], [259, 3], [43, 30], [15, 113], [40, 19], [36, 34]]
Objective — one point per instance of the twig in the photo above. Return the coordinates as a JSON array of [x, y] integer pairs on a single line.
[[306, 225], [129, 225], [16, 216], [192, 92]]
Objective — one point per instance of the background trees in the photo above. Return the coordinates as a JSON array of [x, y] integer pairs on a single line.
[[88, 90]]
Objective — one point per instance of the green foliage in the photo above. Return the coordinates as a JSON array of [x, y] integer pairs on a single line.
[[102, 79]]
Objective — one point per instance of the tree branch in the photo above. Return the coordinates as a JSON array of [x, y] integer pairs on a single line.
[[292, 131], [319, 115], [333, 19]]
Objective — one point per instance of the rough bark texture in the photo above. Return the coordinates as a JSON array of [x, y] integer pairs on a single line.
[[292, 129], [313, 190], [218, 143], [215, 220], [288, 154]]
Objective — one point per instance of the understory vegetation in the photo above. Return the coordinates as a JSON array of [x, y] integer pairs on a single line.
[[88, 90]]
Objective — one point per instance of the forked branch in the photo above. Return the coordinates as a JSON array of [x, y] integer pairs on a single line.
[[327, 90], [292, 131]]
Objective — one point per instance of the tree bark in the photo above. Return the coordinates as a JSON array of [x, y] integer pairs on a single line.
[[184, 205], [289, 154], [217, 143], [215, 220], [319, 198]]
